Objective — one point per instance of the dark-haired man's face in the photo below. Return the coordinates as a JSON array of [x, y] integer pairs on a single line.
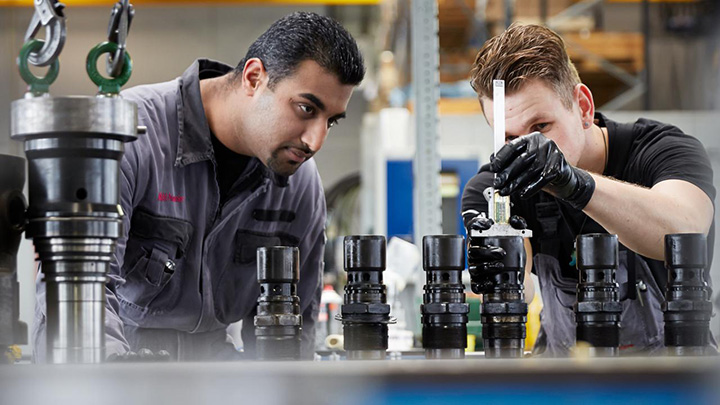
[[289, 123]]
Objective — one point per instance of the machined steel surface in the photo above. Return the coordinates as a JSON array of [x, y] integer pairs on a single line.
[[547, 381], [74, 146], [39, 116]]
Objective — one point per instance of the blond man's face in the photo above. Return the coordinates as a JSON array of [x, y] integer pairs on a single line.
[[537, 107]]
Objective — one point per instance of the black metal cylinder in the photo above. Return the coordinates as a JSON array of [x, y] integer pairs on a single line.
[[504, 311], [687, 307], [12, 223], [598, 309], [444, 310], [278, 323], [365, 313]]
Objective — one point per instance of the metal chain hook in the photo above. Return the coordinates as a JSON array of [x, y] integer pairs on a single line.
[[48, 14], [120, 19]]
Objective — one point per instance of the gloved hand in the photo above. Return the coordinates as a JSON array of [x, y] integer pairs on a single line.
[[485, 261], [143, 355], [533, 162]]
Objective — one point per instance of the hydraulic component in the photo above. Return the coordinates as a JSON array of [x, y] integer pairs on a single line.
[[365, 313], [444, 310], [504, 311], [12, 224], [278, 322], [687, 303], [74, 146], [598, 308]]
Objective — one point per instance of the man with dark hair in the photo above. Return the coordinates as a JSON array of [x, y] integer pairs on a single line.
[[570, 170], [225, 167]]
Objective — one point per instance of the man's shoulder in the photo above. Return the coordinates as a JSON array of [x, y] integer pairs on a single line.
[[152, 96]]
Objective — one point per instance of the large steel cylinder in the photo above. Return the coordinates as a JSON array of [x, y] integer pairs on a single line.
[[365, 313], [598, 309], [687, 307], [444, 310], [74, 146], [278, 323], [12, 224], [504, 311]]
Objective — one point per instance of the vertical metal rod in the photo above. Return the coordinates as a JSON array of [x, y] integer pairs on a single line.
[[426, 81], [646, 51]]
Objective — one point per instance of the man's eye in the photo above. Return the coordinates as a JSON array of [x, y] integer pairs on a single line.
[[332, 123], [306, 109], [540, 127]]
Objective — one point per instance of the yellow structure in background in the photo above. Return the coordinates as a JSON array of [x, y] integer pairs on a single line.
[[104, 3]]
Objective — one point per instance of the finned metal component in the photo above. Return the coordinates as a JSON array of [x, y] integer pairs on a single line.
[[444, 310], [278, 323], [12, 224], [504, 311], [365, 313], [598, 308], [74, 146], [687, 303]]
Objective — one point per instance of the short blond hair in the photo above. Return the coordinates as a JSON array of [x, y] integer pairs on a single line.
[[523, 53]]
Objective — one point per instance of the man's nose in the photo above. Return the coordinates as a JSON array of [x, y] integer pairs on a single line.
[[315, 136]]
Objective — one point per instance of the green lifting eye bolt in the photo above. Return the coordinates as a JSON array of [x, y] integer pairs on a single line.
[[107, 86], [36, 85]]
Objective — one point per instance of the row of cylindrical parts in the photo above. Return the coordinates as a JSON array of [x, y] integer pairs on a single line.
[[365, 313]]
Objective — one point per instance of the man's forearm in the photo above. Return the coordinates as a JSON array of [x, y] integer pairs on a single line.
[[641, 217]]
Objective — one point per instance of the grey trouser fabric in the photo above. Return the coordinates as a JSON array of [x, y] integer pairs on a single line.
[[641, 324]]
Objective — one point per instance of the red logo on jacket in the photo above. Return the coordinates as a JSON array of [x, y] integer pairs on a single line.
[[170, 197]]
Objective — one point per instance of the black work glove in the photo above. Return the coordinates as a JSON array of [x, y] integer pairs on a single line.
[[533, 162], [485, 261], [142, 356]]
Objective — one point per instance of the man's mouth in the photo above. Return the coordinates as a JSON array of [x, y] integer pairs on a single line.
[[299, 154]]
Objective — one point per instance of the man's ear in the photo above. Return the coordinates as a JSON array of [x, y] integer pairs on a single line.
[[253, 76], [584, 99]]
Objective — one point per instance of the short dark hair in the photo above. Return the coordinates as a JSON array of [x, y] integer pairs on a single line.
[[305, 36], [523, 53]]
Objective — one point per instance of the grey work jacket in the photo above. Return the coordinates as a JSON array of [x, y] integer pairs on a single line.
[[186, 267]]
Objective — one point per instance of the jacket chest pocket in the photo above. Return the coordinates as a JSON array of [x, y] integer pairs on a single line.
[[154, 255], [236, 289]]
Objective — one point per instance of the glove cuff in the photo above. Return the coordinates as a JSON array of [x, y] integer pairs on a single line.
[[584, 189]]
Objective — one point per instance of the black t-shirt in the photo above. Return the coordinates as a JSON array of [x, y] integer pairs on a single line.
[[645, 153], [230, 166]]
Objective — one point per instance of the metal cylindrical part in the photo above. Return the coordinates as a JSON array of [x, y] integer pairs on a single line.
[[278, 323], [74, 146], [365, 313], [12, 224], [504, 311], [444, 310], [598, 309], [687, 307]]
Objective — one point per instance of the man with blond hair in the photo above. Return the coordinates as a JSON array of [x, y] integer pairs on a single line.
[[571, 170]]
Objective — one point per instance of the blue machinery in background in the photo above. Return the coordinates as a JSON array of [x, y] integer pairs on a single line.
[[400, 196]]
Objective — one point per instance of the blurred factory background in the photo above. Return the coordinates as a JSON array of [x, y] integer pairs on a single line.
[[655, 59]]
